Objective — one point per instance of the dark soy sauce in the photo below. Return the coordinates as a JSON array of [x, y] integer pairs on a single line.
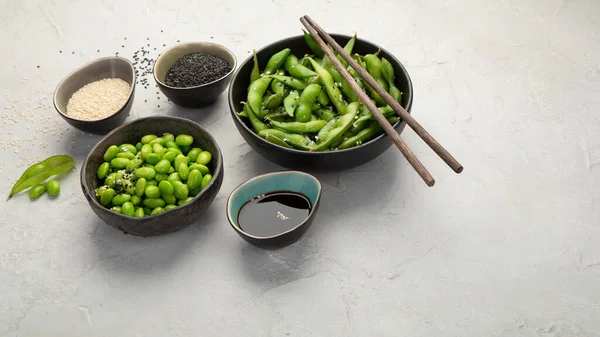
[[273, 213]]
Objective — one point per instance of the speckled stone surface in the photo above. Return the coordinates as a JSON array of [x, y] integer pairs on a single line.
[[508, 248]]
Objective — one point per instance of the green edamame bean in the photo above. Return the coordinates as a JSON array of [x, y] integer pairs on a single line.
[[158, 149], [165, 187], [194, 179], [305, 103], [295, 140], [128, 186], [296, 69], [128, 209], [374, 66], [151, 182], [145, 172], [343, 124], [103, 170], [152, 192], [345, 86], [153, 158], [387, 71], [106, 197], [119, 163], [184, 201], [171, 145], [169, 156], [140, 187], [312, 44], [276, 61], [180, 191], [169, 199], [134, 164], [179, 159], [202, 168], [276, 86], [135, 200], [168, 137], [323, 99], [153, 203], [146, 150], [256, 91], [148, 138], [159, 140], [111, 153], [290, 102], [173, 177], [161, 176], [139, 212], [138, 146], [184, 140], [193, 154], [256, 122], [53, 187], [298, 127], [205, 181], [291, 82], [127, 155], [324, 114], [176, 150], [116, 209], [120, 199], [183, 171], [273, 101], [110, 180], [329, 84], [162, 166], [275, 140], [362, 136], [170, 207], [36, 191], [128, 148], [255, 74], [157, 210], [171, 170], [204, 158]]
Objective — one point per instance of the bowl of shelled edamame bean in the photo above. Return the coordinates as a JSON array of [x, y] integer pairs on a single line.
[[153, 176], [293, 107]]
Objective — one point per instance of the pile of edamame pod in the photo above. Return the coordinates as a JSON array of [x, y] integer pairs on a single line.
[[155, 175], [306, 104]]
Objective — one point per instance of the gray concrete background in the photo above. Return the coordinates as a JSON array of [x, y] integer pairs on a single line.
[[509, 248]]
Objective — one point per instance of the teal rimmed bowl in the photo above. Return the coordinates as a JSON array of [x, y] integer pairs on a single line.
[[293, 181]]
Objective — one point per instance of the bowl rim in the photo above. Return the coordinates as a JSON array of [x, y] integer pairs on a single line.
[[131, 89], [92, 198], [316, 153], [313, 209], [233, 67]]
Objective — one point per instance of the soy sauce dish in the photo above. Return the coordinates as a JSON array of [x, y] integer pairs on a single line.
[[275, 209]]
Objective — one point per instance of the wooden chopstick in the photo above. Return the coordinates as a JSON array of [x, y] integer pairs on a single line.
[[387, 127], [437, 147]]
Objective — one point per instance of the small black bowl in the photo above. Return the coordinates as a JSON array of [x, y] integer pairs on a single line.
[[305, 160], [201, 95], [168, 221], [106, 67]]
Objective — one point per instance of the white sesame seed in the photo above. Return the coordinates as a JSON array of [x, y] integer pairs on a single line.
[[98, 100]]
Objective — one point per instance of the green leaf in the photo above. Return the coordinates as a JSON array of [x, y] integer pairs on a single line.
[[39, 172]]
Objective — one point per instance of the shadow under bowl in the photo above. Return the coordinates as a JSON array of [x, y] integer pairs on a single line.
[[106, 67], [168, 221], [292, 181], [306, 160], [197, 96]]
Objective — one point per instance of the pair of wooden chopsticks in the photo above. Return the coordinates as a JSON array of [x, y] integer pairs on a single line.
[[319, 34]]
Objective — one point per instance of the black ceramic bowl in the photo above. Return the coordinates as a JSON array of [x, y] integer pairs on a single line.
[[198, 96], [168, 221], [321, 161], [106, 67]]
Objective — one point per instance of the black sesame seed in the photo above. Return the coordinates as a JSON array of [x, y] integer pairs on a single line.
[[161, 31], [212, 37], [196, 69], [159, 105], [73, 53], [122, 46], [98, 51], [60, 51], [125, 38], [145, 100], [147, 39], [38, 66], [164, 45]]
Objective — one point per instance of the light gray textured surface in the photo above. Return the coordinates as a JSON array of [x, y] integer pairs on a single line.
[[509, 248]]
